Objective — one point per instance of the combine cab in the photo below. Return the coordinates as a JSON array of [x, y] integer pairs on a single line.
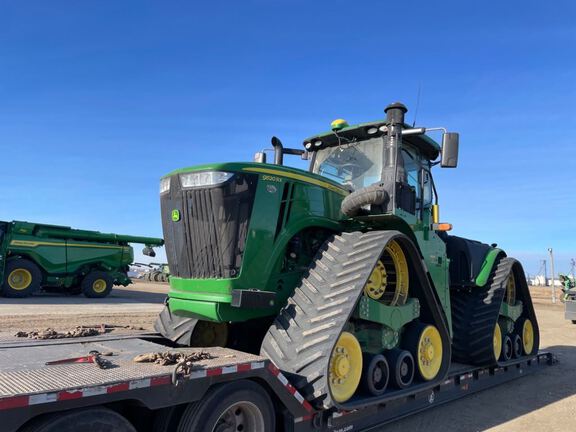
[[344, 275]]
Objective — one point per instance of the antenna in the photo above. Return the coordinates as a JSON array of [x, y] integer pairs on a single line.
[[417, 103]]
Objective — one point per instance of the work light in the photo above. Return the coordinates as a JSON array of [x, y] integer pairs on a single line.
[[164, 185], [204, 178]]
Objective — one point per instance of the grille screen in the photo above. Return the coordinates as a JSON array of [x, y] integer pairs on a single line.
[[209, 239]]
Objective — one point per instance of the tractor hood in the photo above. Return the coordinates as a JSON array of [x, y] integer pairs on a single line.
[[268, 171]]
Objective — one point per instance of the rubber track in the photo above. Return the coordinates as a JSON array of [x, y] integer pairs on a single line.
[[475, 312], [301, 339]]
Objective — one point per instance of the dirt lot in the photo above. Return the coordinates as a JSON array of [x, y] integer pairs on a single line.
[[542, 402], [135, 306]]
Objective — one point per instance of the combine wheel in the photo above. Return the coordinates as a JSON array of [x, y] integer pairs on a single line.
[[22, 278], [97, 284], [402, 367], [425, 344], [345, 368], [375, 374], [507, 349]]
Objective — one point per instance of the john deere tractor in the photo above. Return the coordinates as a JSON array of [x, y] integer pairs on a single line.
[[342, 275]]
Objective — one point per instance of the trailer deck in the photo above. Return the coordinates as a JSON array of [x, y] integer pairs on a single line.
[[29, 387]]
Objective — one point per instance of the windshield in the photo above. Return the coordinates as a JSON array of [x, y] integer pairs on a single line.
[[356, 165]]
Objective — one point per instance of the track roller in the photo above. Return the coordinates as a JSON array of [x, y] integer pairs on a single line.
[[517, 349], [507, 348], [402, 367], [375, 374]]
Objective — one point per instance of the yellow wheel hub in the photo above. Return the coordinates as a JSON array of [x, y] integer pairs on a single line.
[[528, 336], [345, 368], [511, 290], [497, 341], [389, 282], [429, 352], [99, 286], [209, 334], [19, 279], [376, 285]]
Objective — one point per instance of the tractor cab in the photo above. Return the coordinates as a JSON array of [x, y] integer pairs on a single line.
[[388, 155]]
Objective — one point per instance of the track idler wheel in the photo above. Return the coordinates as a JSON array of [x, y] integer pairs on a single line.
[[402, 368], [507, 348], [375, 374], [526, 331], [425, 344], [497, 342], [345, 368]]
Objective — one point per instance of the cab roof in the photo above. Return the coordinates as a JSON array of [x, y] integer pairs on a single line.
[[427, 146]]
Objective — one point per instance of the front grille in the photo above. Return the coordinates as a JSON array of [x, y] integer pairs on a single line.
[[209, 239]]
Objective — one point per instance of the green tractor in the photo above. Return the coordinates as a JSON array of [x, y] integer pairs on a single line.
[[342, 275]]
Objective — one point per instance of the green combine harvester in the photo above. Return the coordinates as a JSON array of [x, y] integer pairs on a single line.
[[58, 258], [342, 275]]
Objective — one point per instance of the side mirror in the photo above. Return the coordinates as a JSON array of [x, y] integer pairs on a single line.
[[450, 142], [260, 157], [148, 251]]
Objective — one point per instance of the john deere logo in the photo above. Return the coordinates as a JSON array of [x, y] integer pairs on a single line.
[[175, 215]]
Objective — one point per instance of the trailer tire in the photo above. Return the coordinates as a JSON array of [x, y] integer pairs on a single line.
[[85, 420], [167, 419], [21, 278], [97, 284], [243, 402]]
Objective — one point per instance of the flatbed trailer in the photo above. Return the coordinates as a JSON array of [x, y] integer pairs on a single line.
[[146, 397]]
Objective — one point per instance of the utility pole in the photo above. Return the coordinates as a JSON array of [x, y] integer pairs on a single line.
[[552, 269]]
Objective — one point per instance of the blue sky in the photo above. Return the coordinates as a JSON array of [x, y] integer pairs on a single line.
[[98, 99]]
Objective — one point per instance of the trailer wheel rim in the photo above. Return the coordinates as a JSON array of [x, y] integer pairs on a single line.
[[429, 352], [19, 279], [99, 286], [528, 336], [241, 416], [345, 368], [497, 341]]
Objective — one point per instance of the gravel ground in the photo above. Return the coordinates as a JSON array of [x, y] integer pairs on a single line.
[[545, 401]]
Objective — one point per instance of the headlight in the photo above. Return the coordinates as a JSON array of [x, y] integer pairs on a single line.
[[206, 178], [164, 185]]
